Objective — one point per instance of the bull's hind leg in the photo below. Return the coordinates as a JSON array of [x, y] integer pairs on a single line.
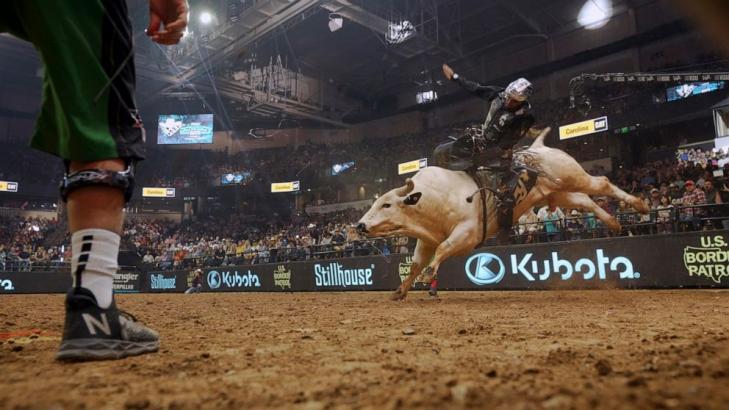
[[582, 201], [421, 257], [602, 186]]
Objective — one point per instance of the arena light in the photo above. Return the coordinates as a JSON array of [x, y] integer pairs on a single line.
[[595, 14], [335, 22], [206, 17], [426, 97], [398, 32]]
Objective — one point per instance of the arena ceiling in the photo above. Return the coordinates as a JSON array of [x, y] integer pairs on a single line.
[[355, 60]]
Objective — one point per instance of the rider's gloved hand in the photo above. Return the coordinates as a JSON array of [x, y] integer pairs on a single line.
[[449, 73]]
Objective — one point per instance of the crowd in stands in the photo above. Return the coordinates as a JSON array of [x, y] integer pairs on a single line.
[[22, 243], [677, 190], [683, 195], [235, 240]]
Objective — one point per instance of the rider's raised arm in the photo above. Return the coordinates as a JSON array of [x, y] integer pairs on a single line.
[[487, 92]]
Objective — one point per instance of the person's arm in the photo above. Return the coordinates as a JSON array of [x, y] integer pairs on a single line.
[[486, 92], [170, 13]]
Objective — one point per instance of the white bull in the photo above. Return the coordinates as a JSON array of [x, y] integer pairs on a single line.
[[433, 208]]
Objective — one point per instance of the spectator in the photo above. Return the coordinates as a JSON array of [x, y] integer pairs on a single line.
[[528, 226], [590, 223], [664, 215], [691, 217], [675, 194], [24, 258], [552, 218], [196, 286], [655, 198], [712, 198], [574, 225], [644, 220], [403, 244], [148, 259], [626, 216]]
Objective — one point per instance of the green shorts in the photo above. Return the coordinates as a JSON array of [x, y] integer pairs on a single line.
[[89, 111]]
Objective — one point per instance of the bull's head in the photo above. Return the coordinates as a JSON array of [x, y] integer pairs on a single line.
[[391, 212]]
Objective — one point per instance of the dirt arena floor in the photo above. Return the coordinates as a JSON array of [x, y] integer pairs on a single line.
[[499, 350]]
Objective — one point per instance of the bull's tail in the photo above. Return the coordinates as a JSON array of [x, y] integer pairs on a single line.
[[539, 141]]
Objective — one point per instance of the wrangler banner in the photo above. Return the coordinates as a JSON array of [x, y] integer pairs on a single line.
[[60, 282]]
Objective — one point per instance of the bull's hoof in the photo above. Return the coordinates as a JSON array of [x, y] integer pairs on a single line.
[[398, 296], [641, 207], [427, 275]]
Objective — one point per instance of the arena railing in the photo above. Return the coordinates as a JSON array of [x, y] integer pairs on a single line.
[[13, 264], [344, 249], [674, 219]]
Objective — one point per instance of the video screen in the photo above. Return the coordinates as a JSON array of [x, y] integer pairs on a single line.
[[688, 90], [235, 178], [341, 168], [185, 129]]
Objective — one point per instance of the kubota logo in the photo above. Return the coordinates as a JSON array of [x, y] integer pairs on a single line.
[[485, 269]]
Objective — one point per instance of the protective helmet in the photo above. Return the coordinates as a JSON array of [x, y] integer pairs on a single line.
[[520, 89]]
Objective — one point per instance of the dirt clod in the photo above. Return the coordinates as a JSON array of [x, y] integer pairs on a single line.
[[603, 367]]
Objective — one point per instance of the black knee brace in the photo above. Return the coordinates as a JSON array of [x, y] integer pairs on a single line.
[[123, 180]]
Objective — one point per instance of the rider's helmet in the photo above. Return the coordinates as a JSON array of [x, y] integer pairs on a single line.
[[520, 90]]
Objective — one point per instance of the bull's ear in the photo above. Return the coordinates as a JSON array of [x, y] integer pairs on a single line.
[[413, 199]]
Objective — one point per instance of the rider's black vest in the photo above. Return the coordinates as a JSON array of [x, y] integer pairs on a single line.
[[503, 127]]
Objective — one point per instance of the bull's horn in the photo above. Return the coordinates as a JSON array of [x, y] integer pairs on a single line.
[[408, 188]]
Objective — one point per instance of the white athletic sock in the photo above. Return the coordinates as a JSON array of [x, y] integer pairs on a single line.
[[94, 262]]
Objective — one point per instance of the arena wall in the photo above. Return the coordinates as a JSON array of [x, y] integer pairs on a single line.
[[689, 260]]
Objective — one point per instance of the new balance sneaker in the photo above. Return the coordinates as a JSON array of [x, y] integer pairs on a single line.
[[93, 333]]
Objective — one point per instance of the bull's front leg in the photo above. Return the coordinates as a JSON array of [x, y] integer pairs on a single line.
[[463, 238], [421, 257]]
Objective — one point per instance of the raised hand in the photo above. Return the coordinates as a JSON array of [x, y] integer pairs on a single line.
[[448, 71], [170, 13]]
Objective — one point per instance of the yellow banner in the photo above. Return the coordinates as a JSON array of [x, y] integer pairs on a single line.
[[285, 186], [158, 192], [412, 166], [583, 128], [8, 186]]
